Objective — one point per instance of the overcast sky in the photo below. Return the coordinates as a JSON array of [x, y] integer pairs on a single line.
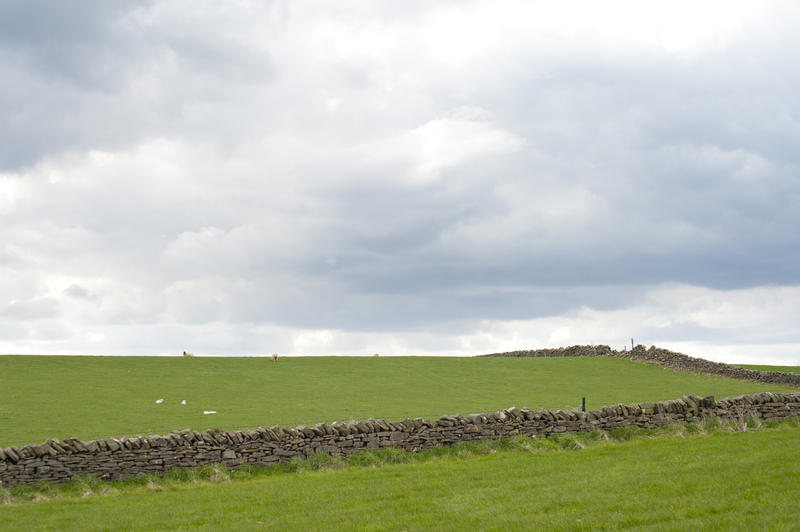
[[410, 177]]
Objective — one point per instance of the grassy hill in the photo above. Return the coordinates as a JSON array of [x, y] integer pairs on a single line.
[[785, 369], [91, 397]]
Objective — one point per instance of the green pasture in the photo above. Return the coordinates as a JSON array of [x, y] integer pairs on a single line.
[[91, 397], [785, 369], [682, 477]]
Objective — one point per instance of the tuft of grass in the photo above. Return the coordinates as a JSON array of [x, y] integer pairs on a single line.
[[379, 457], [624, 433]]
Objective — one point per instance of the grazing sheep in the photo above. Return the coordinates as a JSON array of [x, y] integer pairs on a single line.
[[187, 354], [274, 357]]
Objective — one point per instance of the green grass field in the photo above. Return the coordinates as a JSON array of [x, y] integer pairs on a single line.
[[785, 369], [92, 397], [674, 479]]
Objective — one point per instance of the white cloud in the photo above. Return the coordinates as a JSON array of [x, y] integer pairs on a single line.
[[457, 34], [9, 191], [440, 144]]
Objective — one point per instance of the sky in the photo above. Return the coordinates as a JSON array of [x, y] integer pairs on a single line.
[[402, 178]]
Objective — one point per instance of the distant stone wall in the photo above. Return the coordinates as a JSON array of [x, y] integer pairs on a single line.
[[115, 458], [665, 358]]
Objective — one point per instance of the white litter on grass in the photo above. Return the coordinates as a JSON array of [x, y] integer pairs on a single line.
[[206, 412], [159, 401], [183, 402]]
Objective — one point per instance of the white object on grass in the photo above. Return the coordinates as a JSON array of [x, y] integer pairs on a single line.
[[206, 412], [183, 402], [159, 401]]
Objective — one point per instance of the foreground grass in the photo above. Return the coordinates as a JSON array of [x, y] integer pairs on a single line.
[[92, 397], [686, 477]]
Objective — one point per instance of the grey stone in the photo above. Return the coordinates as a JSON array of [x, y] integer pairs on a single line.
[[11, 455], [305, 431]]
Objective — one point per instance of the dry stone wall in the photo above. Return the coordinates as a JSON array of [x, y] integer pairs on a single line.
[[115, 458], [665, 358]]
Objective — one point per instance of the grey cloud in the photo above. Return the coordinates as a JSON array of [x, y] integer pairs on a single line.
[[79, 292], [57, 37], [95, 76]]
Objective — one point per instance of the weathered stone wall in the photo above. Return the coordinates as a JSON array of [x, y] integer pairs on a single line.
[[116, 458], [665, 358]]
